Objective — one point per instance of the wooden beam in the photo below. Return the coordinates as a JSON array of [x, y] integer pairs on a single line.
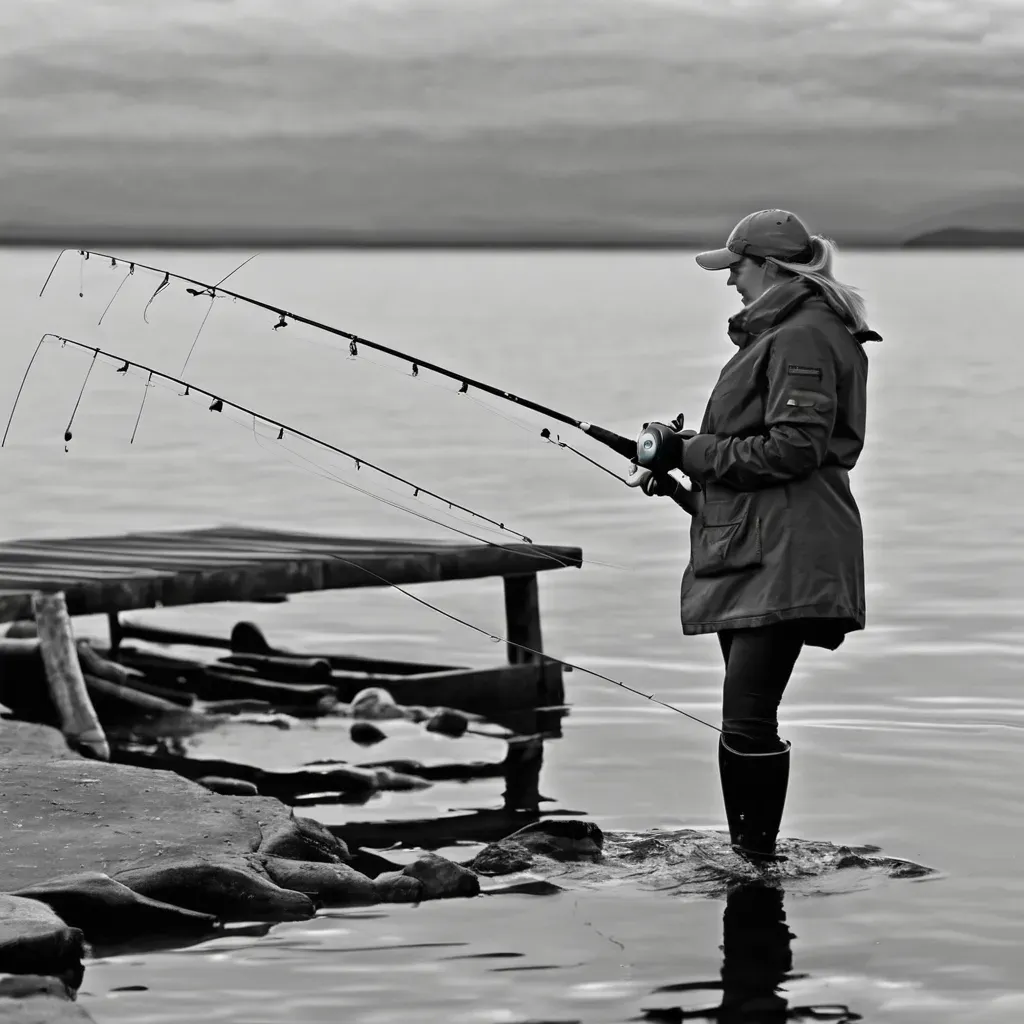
[[344, 662]]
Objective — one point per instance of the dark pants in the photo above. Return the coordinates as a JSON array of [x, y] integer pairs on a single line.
[[758, 664]]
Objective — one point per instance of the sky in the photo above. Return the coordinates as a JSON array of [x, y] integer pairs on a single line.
[[477, 118]]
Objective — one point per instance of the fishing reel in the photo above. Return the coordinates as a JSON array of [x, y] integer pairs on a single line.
[[659, 447]]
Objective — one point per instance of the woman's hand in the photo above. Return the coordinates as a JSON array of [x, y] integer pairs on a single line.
[[650, 484]]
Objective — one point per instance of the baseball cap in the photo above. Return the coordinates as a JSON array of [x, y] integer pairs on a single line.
[[777, 233]]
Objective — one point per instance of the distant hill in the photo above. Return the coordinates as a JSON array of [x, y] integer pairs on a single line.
[[304, 238], [967, 238]]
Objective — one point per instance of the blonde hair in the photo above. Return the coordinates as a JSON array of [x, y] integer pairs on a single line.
[[844, 299]]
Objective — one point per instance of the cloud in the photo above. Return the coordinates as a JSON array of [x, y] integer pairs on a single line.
[[620, 100]]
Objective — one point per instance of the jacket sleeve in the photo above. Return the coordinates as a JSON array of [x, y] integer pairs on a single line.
[[799, 416]]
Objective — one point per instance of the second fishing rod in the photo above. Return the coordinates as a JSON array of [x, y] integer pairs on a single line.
[[657, 448]]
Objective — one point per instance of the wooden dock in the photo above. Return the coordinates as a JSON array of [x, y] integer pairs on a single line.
[[106, 575], [111, 575]]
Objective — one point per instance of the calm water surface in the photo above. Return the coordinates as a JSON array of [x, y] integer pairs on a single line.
[[909, 737]]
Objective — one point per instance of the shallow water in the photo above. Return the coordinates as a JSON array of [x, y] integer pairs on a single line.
[[909, 737]]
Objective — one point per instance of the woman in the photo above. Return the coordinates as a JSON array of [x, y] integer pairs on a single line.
[[776, 547]]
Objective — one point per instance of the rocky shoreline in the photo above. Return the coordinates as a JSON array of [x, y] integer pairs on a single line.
[[135, 843], [97, 854], [100, 857]]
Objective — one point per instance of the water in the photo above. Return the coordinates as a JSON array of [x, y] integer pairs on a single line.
[[908, 737]]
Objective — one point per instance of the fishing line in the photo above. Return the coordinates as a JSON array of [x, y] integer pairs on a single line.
[[546, 434], [21, 387], [192, 348], [74, 412], [142, 405], [106, 308], [497, 638], [209, 310], [244, 263]]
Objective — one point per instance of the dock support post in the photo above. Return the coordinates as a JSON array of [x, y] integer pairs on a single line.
[[78, 720], [525, 757], [116, 632], [522, 617]]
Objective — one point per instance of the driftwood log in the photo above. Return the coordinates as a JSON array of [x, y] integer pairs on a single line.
[[78, 720]]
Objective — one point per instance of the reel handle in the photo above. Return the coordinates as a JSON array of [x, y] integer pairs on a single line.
[[659, 447]]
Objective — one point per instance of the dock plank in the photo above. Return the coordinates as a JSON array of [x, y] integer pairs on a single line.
[[104, 574]]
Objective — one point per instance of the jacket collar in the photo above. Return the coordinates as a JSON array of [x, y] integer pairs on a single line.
[[767, 310], [774, 306]]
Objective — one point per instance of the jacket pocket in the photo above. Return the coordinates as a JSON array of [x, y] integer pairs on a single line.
[[727, 539]]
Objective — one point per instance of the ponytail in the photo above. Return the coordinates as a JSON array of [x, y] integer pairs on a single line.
[[844, 299]]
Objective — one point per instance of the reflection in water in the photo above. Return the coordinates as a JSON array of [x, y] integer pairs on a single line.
[[757, 960]]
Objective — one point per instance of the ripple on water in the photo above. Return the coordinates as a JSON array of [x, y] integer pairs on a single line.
[[701, 863]]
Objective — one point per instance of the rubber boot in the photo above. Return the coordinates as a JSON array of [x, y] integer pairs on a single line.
[[754, 790]]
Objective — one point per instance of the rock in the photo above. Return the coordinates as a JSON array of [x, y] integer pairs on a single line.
[[366, 734], [528, 887], [442, 878], [501, 858], [563, 839], [560, 839], [330, 885], [304, 839], [30, 741], [448, 722], [248, 638], [229, 787], [22, 986], [375, 703], [229, 889], [34, 940], [371, 864], [63, 817], [42, 1009], [104, 909], [398, 887]]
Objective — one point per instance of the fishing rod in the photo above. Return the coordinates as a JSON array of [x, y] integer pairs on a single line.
[[651, 450], [217, 405]]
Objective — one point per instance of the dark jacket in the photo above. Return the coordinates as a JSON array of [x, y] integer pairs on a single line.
[[777, 533]]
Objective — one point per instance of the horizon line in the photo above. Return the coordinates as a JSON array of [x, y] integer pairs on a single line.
[[165, 238]]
